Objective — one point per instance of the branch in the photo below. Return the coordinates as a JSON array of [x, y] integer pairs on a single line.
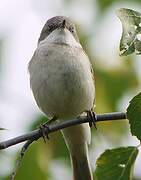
[[21, 156], [36, 134]]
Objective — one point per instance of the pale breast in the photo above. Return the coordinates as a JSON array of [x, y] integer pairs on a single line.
[[61, 80]]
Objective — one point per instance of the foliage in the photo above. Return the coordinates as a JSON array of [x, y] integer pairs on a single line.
[[133, 115], [116, 164], [131, 36]]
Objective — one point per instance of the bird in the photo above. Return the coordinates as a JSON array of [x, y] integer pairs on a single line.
[[62, 82]]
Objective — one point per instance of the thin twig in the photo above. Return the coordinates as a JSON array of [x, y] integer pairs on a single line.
[[19, 160], [36, 134]]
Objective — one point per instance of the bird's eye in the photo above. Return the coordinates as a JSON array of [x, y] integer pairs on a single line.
[[71, 29]]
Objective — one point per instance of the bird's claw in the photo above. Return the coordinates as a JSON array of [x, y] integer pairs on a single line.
[[44, 128], [92, 118]]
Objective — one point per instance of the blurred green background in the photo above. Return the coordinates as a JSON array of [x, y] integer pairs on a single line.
[[117, 81]]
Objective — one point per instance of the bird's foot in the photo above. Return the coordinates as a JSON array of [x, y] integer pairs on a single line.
[[92, 118], [44, 128]]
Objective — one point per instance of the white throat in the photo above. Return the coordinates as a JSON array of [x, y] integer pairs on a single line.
[[61, 36]]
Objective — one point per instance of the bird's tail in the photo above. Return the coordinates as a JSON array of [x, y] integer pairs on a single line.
[[81, 167], [76, 140]]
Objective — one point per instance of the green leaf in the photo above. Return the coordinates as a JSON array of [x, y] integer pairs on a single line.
[[131, 36], [116, 164], [134, 116]]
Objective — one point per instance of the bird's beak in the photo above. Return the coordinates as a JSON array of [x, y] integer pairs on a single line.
[[63, 24]]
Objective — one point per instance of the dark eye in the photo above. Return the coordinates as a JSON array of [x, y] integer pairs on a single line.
[[71, 29]]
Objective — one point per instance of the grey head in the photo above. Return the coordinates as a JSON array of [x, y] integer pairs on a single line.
[[58, 22]]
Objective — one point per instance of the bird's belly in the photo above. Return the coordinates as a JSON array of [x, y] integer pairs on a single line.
[[64, 86]]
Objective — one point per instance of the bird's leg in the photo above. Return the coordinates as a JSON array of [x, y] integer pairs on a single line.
[[92, 117], [44, 128]]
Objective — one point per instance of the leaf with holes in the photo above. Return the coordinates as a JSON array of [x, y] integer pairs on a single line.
[[134, 116], [116, 164], [131, 36]]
